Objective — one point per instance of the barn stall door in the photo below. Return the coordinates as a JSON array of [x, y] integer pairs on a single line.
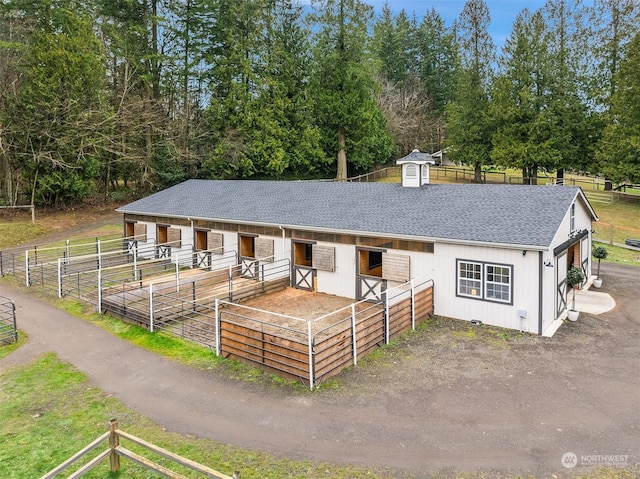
[[376, 268], [308, 259], [369, 281], [561, 283]]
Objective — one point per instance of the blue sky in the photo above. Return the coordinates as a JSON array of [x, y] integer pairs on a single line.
[[503, 12]]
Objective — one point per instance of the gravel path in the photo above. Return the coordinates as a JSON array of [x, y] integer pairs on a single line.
[[451, 397]]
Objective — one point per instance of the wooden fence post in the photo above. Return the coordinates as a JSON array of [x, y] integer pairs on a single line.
[[611, 235], [114, 441]]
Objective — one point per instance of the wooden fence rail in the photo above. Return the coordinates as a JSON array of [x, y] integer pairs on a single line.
[[31, 207], [114, 451]]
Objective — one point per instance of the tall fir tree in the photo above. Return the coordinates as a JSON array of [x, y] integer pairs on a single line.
[[469, 123], [620, 144], [352, 124], [524, 122], [574, 127]]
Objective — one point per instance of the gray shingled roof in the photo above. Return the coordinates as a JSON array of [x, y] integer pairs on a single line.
[[508, 214]]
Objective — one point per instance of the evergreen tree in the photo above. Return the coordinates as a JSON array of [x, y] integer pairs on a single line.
[[58, 110], [620, 144], [352, 124], [438, 59], [285, 140], [574, 127], [525, 123], [469, 127]]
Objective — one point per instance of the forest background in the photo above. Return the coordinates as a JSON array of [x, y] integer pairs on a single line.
[[118, 98]]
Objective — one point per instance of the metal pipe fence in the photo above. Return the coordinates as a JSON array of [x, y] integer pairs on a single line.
[[8, 326], [192, 300]]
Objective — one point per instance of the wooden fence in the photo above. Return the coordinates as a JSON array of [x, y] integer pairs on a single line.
[[597, 189], [31, 207], [316, 350], [115, 451]]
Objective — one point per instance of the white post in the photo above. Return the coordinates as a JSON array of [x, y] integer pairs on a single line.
[[135, 262], [217, 327], [59, 279], [67, 249], [310, 356], [177, 276], [100, 291], [386, 316], [26, 267], [99, 255], [413, 305], [151, 307], [353, 334]]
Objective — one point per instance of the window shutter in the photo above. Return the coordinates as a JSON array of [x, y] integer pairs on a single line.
[[323, 258], [140, 232], [174, 237], [264, 249], [396, 267], [215, 241]]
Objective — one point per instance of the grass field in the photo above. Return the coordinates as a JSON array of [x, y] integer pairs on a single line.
[[49, 410]]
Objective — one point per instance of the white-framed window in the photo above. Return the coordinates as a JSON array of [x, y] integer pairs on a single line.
[[572, 225], [486, 281], [497, 280], [411, 171], [469, 279]]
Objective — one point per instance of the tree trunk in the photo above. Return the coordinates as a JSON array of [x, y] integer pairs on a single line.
[[6, 168], [342, 156], [534, 175], [477, 174], [560, 176]]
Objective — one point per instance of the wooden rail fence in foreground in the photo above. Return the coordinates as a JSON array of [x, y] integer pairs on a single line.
[[114, 451]]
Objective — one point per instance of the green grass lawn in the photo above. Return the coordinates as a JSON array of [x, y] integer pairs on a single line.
[[49, 411], [12, 234]]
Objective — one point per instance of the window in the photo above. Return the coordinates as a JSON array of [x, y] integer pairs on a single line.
[[572, 226], [469, 279], [302, 253], [411, 171], [370, 262], [201, 240], [375, 259], [498, 283], [491, 282], [247, 246]]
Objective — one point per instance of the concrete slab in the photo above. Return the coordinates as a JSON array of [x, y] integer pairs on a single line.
[[587, 301], [594, 302]]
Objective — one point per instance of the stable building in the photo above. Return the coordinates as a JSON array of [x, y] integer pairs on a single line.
[[497, 254]]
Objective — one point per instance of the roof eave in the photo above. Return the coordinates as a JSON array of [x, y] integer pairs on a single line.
[[431, 239]]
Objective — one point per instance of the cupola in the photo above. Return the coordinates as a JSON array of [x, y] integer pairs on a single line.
[[415, 169]]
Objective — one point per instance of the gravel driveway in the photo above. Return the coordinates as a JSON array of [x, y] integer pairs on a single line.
[[449, 397]]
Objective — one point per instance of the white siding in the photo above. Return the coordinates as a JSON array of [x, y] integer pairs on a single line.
[[525, 281]]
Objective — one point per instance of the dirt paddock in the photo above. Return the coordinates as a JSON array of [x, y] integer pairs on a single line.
[[292, 308]]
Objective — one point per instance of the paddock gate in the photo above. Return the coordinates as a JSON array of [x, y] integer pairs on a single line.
[[8, 326]]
